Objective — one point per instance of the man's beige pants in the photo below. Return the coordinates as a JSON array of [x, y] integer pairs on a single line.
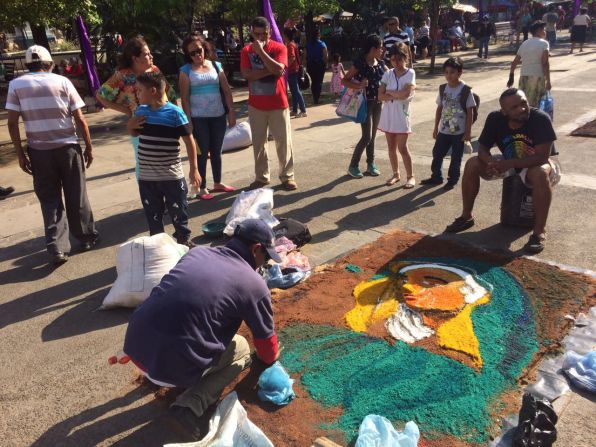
[[278, 123], [210, 386]]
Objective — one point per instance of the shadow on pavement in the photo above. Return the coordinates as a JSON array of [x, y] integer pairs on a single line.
[[497, 237]]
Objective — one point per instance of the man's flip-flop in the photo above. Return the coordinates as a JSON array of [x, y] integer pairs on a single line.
[[459, 224], [224, 189], [206, 196]]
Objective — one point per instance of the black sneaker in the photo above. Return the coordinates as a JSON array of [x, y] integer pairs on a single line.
[[449, 186], [5, 192], [59, 258], [535, 244], [88, 245], [431, 181], [459, 224], [184, 421]]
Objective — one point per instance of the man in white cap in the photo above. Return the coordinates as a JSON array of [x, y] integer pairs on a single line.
[[185, 334], [48, 102]]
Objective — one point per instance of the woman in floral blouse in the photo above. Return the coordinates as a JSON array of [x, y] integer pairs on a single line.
[[120, 91]]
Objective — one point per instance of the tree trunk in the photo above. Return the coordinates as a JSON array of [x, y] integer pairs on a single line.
[[260, 7], [241, 32], [309, 25], [39, 36], [434, 24]]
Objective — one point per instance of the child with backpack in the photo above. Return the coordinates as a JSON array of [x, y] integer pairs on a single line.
[[457, 109]]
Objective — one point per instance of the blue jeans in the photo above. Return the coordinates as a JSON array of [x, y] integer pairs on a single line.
[[551, 36], [297, 98], [156, 196], [209, 134], [483, 45], [442, 145]]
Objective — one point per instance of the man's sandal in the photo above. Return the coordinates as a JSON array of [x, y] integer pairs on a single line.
[[536, 243]]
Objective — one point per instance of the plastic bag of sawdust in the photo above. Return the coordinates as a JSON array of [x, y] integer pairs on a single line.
[[230, 427], [255, 204], [537, 420], [141, 264], [275, 385], [376, 431]]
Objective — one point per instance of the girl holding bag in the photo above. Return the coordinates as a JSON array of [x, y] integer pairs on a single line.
[[396, 90], [365, 74]]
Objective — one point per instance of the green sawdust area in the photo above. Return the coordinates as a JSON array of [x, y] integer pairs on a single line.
[[365, 375]]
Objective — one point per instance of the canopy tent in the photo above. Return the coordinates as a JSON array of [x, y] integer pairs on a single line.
[[465, 8], [330, 16]]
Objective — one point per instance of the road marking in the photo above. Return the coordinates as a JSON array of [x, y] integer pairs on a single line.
[[577, 122]]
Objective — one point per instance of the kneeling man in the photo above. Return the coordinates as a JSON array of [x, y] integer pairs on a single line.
[[525, 136], [184, 334]]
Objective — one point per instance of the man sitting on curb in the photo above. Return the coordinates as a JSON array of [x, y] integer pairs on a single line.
[[525, 136], [184, 334]]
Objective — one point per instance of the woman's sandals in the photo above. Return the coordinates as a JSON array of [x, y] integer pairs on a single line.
[[393, 180]]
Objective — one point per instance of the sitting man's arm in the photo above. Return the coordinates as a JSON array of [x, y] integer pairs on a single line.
[[540, 157], [259, 319]]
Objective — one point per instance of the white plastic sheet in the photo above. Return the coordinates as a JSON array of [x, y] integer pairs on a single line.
[[255, 204], [230, 427], [141, 264]]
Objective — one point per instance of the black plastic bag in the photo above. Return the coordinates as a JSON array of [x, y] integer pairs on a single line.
[[295, 231], [303, 79], [536, 427]]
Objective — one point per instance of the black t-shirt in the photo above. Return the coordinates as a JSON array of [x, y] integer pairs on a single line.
[[517, 143], [373, 74]]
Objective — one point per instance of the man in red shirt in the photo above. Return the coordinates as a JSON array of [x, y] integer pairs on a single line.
[[263, 64]]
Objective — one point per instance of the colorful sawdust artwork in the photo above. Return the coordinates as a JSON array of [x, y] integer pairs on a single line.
[[468, 308]]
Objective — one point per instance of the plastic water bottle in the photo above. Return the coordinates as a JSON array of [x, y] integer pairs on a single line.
[[194, 192]]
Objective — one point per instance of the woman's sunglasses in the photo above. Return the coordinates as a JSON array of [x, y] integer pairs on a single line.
[[193, 53]]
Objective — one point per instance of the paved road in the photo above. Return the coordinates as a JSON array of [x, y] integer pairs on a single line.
[[56, 386]]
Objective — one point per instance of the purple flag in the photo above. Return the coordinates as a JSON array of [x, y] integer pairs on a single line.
[[576, 6], [87, 54], [275, 34]]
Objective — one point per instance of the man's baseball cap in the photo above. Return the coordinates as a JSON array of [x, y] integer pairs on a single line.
[[257, 231], [37, 53]]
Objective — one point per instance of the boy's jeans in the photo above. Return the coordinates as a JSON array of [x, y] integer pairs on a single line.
[[483, 46], [156, 196], [442, 145]]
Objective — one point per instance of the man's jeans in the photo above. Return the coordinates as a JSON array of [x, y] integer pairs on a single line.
[[483, 45]]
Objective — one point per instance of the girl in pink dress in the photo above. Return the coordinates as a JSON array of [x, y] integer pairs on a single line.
[[338, 74]]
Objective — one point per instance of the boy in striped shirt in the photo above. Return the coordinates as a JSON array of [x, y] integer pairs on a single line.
[[160, 124]]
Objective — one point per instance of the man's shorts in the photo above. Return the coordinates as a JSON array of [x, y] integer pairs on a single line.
[[554, 176]]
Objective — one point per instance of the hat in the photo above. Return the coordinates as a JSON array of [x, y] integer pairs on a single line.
[[257, 231], [37, 53]]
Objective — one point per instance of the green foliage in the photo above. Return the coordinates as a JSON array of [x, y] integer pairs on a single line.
[[292, 8], [46, 12]]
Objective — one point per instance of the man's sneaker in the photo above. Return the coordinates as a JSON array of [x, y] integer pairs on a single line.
[[354, 172], [535, 244], [431, 181], [59, 258], [292, 114], [372, 169], [449, 186], [256, 185], [184, 421], [460, 224], [88, 245], [290, 185], [302, 115], [187, 243], [5, 192]]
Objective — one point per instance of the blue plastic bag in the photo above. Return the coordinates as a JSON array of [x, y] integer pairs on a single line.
[[547, 104], [275, 385], [283, 279], [376, 431], [581, 370]]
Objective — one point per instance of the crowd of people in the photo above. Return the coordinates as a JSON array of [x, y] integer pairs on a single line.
[[198, 347]]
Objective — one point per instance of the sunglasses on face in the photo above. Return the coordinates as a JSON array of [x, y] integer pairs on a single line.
[[193, 53]]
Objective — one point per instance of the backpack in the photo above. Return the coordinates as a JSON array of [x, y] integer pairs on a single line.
[[463, 99], [294, 230]]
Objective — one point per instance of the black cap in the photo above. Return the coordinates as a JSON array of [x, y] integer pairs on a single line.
[[257, 231]]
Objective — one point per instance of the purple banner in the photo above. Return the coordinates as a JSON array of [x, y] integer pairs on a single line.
[[275, 34], [576, 6], [87, 56]]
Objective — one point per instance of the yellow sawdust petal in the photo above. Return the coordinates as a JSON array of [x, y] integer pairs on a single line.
[[368, 308]]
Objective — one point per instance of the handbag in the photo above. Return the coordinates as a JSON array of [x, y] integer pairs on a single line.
[[221, 93], [352, 105], [303, 78]]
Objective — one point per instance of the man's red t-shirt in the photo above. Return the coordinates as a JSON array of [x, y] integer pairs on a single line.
[[268, 93], [293, 51]]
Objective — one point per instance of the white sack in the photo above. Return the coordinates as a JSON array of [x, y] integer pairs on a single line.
[[141, 263], [230, 427], [237, 137], [255, 204]]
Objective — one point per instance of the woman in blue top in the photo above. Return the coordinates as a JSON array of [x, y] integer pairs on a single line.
[[206, 99], [317, 58]]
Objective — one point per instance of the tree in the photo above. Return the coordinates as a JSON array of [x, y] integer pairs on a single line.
[[42, 13], [309, 9]]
